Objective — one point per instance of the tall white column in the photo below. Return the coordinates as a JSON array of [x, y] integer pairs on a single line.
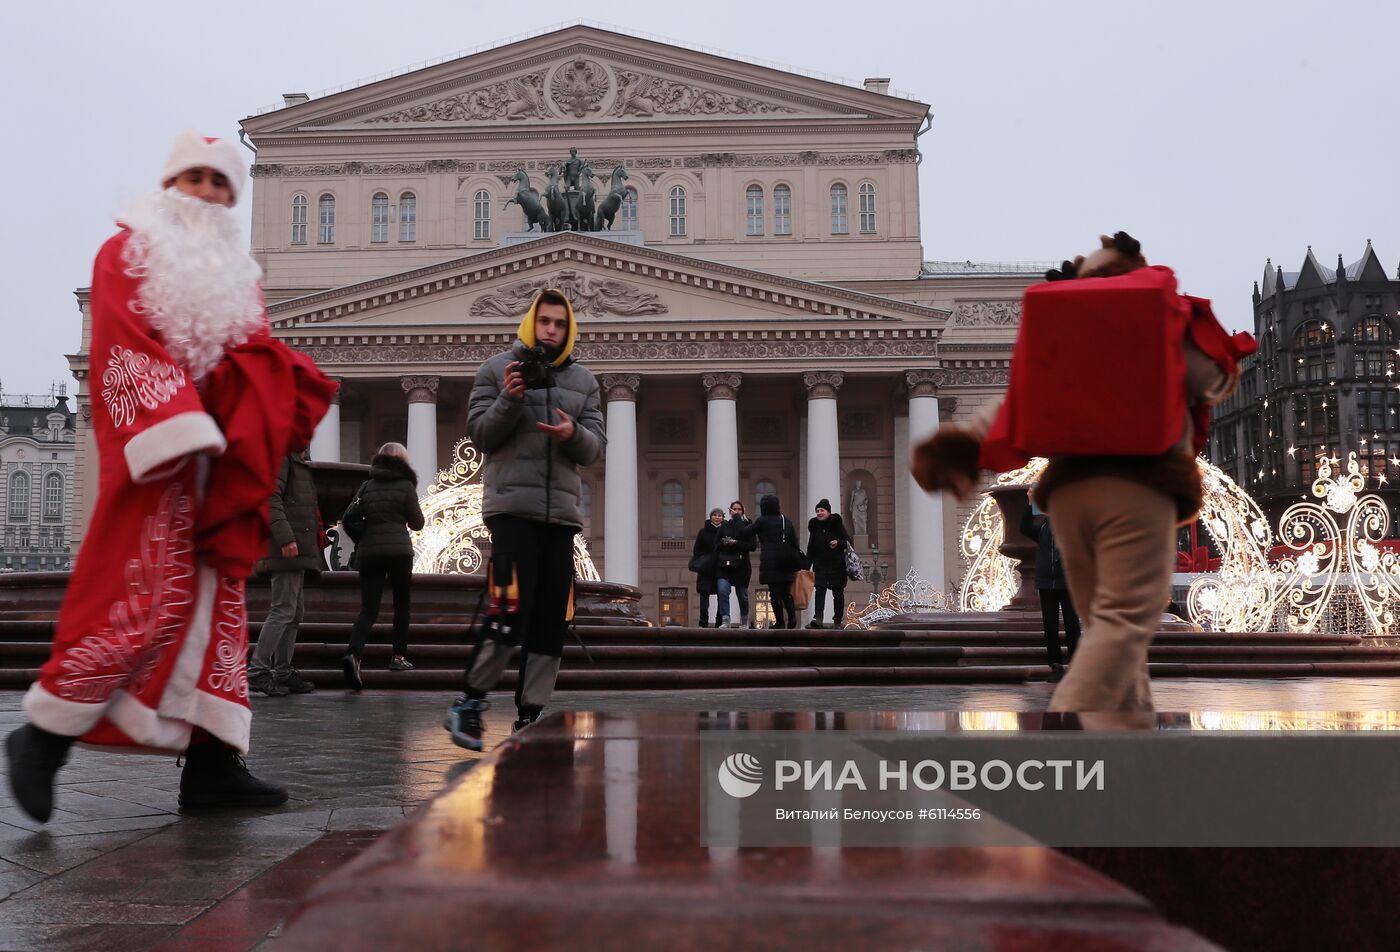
[[325, 442], [823, 442], [422, 428], [924, 520], [722, 451], [621, 529]]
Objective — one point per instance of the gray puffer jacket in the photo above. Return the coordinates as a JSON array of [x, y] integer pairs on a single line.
[[527, 474]]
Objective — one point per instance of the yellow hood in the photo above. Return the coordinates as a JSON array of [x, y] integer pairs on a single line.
[[526, 331]]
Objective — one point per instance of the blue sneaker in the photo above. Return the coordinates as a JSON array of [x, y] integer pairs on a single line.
[[463, 722]]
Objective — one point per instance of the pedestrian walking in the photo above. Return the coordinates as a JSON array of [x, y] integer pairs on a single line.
[[295, 555], [704, 562], [1053, 588], [779, 560], [389, 503], [735, 570], [827, 541]]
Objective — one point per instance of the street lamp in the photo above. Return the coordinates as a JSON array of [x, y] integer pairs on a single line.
[[875, 570]]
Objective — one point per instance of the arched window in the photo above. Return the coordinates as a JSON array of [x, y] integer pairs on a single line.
[[53, 496], [326, 235], [481, 215], [867, 208], [782, 210], [379, 217], [629, 210], [408, 217], [677, 212], [1374, 351], [19, 496], [585, 505], [840, 221], [1316, 344], [765, 487], [299, 219], [753, 208], [672, 510]]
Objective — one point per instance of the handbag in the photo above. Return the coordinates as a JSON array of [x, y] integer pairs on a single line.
[[703, 564], [804, 582], [853, 571], [790, 557], [355, 520]]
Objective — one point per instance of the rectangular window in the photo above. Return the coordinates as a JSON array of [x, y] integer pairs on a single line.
[[326, 236], [299, 220], [379, 219], [678, 212], [782, 210], [481, 228], [408, 217], [754, 211], [673, 605], [840, 223], [867, 209]]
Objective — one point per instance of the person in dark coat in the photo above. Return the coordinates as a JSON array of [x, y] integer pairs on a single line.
[[827, 541], [294, 555], [779, 559], [734, 568], [1050, 583], [389, 500], [706, 553]]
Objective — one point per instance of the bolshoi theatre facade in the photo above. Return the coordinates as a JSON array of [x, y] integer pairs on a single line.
[[759, 314]]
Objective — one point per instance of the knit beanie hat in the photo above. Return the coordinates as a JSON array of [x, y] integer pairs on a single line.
[[824, 504], [192, 151]]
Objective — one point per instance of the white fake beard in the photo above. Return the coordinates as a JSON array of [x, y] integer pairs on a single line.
[[198, 285]]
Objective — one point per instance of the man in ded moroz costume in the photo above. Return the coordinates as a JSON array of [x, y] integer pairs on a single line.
[[195, 407]]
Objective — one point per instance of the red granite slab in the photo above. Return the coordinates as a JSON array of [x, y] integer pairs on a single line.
[[582, 833]]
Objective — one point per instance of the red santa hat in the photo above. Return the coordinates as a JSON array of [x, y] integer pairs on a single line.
[[192, 150]]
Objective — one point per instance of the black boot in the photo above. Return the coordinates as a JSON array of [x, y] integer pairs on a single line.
[[216, 778], [35, 756]]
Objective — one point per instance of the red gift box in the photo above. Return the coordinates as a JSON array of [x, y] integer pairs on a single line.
[[1098, 370]]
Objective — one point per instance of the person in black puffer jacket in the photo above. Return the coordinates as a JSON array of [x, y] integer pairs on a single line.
[[780, 552], [827, 542], [734, 568], [389, 500]]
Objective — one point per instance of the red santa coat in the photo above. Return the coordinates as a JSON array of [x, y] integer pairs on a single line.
[[152, 637]]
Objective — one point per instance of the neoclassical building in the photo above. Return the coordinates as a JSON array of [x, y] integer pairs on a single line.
[[760, 315], [37, 439]]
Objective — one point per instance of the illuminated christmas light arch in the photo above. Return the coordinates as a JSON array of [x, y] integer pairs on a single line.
[[453, 524]]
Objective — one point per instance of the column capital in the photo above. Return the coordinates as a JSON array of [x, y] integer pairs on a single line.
[[339, 389], [621, 386], [722, 386], [925, 383], [420, 389], [823, 384]]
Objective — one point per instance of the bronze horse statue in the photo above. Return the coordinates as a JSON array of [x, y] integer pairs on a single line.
[[554, 199], [616, 193], [529, 201], [586, 210]]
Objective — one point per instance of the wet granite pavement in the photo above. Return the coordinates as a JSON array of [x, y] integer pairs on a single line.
[[118, 868]]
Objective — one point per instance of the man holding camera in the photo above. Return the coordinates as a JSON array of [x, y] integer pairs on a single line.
[[536, 415]]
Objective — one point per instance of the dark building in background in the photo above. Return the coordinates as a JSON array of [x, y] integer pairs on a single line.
[[1326, 380]]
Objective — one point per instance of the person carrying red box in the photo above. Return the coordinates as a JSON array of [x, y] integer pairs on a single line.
[[1112, 378]]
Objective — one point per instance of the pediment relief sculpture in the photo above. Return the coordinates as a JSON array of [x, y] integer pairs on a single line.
[[580, 87], [589, 295], [987, 313]]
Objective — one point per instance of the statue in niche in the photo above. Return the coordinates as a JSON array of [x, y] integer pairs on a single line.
[[858, 509]]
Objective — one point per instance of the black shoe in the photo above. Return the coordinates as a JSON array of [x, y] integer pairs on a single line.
[[525, 719], [216, 778], [1057, 673], [350, 667], [399, 663], [296, 684], [35, 756], [463, 722], [814, 624], [264, 683]]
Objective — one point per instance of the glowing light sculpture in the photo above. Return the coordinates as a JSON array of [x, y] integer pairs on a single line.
[[453, 524]]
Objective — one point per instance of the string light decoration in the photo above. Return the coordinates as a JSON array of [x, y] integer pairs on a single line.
[[991, 580], [1335, 572], [910, 594], [453, 524], [1239, 596]]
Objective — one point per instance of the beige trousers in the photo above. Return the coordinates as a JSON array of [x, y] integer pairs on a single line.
[[1118, 542]]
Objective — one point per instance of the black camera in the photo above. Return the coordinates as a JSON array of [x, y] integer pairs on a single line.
[[536, 368]]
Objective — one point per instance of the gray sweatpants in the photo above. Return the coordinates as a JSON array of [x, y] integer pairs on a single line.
[[278, 638]]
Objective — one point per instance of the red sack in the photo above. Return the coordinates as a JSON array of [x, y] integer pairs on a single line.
[[1098, 370]]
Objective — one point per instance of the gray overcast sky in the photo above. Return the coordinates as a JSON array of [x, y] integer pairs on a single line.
[[1220, 133]]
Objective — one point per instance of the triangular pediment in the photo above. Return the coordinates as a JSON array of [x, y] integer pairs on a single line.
[[583, 74], [616, 287]]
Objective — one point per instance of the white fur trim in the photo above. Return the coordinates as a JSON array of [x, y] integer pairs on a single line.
[[145, 726], [191, 150], [231, 723], [170, 441], [58, 716]]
